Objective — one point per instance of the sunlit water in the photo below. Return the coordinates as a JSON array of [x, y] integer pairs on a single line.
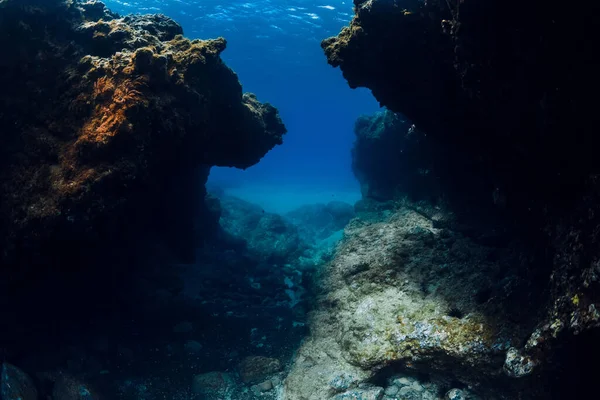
[[274, 47]]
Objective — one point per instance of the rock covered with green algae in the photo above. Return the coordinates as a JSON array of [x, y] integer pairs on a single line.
[[100, 116], [403, 293]]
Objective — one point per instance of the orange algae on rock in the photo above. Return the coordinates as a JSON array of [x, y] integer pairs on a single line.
[[100, 113]]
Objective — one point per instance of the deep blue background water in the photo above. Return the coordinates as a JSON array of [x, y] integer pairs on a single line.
[[274, 47]]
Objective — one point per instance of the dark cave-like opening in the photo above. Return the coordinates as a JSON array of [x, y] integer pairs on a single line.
[[572, 370]]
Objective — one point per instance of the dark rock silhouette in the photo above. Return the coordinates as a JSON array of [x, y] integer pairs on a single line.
[[109, 128], [101, 115], [388, 158], [503, 88]]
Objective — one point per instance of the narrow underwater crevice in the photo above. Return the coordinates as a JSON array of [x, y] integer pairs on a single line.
[[569, 374]]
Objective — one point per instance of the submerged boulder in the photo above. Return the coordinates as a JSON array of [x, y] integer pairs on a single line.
[[213, 385], [268, 237], [361, 394], [254, 369], [403, 294], [317, 222]]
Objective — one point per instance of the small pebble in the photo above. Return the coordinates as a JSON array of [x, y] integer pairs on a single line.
[[417, 387], [405, 390], [391, 390], [265, 386], [402, 382]]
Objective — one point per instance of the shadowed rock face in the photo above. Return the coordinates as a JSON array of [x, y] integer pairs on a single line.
[[107, 124], [505, 81], [108, 128], [504, 87], [502, 82], [407, 292], [388, 157]]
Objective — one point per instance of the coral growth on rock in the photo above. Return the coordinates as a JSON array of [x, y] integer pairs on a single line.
[[504, 87]]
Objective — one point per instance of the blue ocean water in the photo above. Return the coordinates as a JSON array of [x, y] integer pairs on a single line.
[[274, 47]]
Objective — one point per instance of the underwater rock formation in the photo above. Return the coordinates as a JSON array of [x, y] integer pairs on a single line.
[[256, 368], [267, 236], [109, 127], [212, 385], [406, 293], [390, 157], [504, 87], [317, 222], [214, 328], [16, 384]]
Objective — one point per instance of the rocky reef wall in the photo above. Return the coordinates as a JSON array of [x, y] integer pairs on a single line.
[[407, 169], [505, 87], [109, 128], [502, 171]]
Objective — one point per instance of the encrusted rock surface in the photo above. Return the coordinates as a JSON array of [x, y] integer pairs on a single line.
[[390, 156], [109, 127], [501, 87], [100, 115], [405, 293]]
